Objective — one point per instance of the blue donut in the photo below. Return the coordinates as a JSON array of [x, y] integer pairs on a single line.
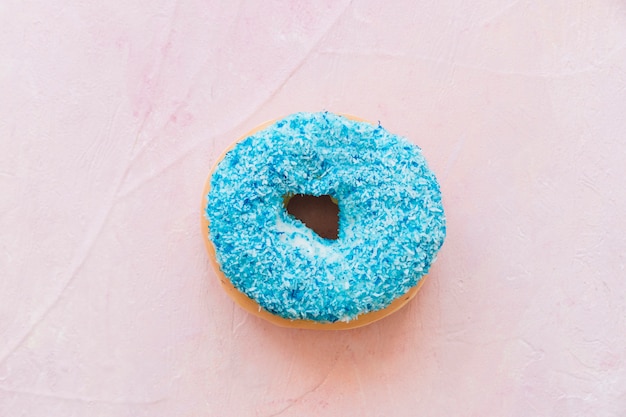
[[391, 218]]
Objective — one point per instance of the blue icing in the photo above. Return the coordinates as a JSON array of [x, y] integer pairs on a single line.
[[391, 220]]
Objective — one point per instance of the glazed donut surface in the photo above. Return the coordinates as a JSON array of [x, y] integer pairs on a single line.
[[391, 220]]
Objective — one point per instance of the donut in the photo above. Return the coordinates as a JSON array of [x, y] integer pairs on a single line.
[[389, 221]]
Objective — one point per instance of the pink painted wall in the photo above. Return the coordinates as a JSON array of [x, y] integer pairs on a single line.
[[112, 112]]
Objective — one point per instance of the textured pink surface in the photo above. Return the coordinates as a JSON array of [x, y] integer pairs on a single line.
[[111, 115]]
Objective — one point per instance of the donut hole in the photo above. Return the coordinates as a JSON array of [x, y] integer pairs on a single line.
[[318, 213]]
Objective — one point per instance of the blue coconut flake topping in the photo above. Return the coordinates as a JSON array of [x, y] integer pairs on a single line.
[[391, 220]]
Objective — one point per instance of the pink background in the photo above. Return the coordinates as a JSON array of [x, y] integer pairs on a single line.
[[111, 114]]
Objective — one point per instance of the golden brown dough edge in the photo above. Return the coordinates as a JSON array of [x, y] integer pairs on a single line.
[[252, 307]]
